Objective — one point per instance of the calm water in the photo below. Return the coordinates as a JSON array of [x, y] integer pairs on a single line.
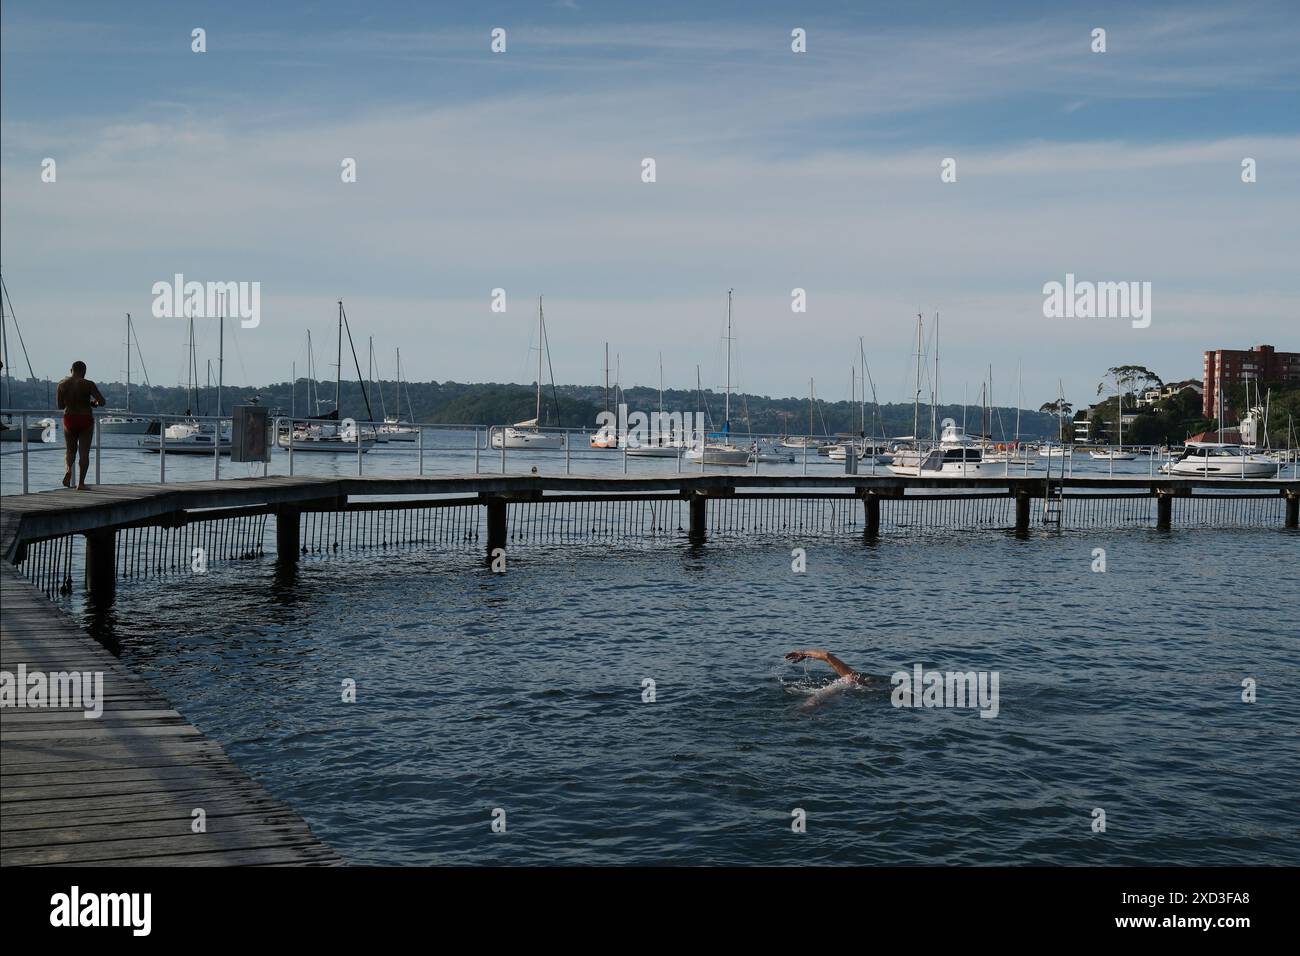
[[523, 691]]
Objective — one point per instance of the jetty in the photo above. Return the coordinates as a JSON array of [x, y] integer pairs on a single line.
[[135, 785], [127, 786]]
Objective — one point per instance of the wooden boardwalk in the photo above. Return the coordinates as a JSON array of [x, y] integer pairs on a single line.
[[119, 789]]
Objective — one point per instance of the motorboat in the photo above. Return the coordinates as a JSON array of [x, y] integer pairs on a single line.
[[1219, 460]]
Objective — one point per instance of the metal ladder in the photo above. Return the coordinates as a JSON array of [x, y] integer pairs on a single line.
[[1053, 503]]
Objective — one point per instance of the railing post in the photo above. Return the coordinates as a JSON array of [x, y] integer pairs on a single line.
[[98, 447], [23, 436], [476, 451], [290, 447], [503, 452], [568, 467], [356, 430], [216, 449], [625, 456], [162, 449], [420, 440]]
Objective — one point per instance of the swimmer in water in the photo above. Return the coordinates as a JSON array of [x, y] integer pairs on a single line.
[[846, 673]]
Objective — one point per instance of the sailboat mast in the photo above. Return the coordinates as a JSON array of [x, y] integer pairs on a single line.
[[538, 417], [338, 379], [934, 405], [810, 407], [410, 412], [726, 402], [916, 397], [128, 362], [221, 353]]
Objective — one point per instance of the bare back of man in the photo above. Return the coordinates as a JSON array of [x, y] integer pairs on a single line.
[[77, 397]]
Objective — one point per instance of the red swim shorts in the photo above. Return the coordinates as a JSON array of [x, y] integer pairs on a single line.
[[76, 424]]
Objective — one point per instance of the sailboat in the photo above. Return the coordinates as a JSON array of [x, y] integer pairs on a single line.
[[908, 452], [1117, 453], [193, 437], [122, 422], [11, 430], [325, 434], [527, 434], [605, 439], [721, 450], [393, 429], [806, 441], [663, 446]]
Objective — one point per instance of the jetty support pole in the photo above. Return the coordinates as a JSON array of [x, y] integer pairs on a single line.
[[101, 562], [496, 521], [1293, 510], [699, 517], [288, 533], [1164, 509], [871, 501], [1022, 510]]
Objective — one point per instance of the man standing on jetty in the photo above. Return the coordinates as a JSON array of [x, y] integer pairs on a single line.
[[77, 395]]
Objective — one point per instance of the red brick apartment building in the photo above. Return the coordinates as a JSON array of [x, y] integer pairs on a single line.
[[1228, 368]]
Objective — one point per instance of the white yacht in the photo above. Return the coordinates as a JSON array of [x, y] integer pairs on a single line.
[[956, 456], [190, 438], [394, 430], [1203, 459], [1113, 454], [525, 435], [124, 423]]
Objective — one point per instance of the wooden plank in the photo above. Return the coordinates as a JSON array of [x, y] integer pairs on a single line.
[[120, 788]]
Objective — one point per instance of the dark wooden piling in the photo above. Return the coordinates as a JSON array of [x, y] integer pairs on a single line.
[[1164, 509], [699, 517], [1022, 511], [496, 522], [1293, 510], [101, 563], [288, 532], [871, 503]]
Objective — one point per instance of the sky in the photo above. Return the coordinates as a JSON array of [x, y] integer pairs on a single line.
[[774, 171]]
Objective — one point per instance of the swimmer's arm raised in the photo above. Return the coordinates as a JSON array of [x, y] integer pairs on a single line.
[[835, 664]]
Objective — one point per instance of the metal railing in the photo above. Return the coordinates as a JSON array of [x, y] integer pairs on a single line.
[[492, 450]]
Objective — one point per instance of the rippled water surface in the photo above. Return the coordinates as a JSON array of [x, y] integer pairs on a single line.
[[523, 691]]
